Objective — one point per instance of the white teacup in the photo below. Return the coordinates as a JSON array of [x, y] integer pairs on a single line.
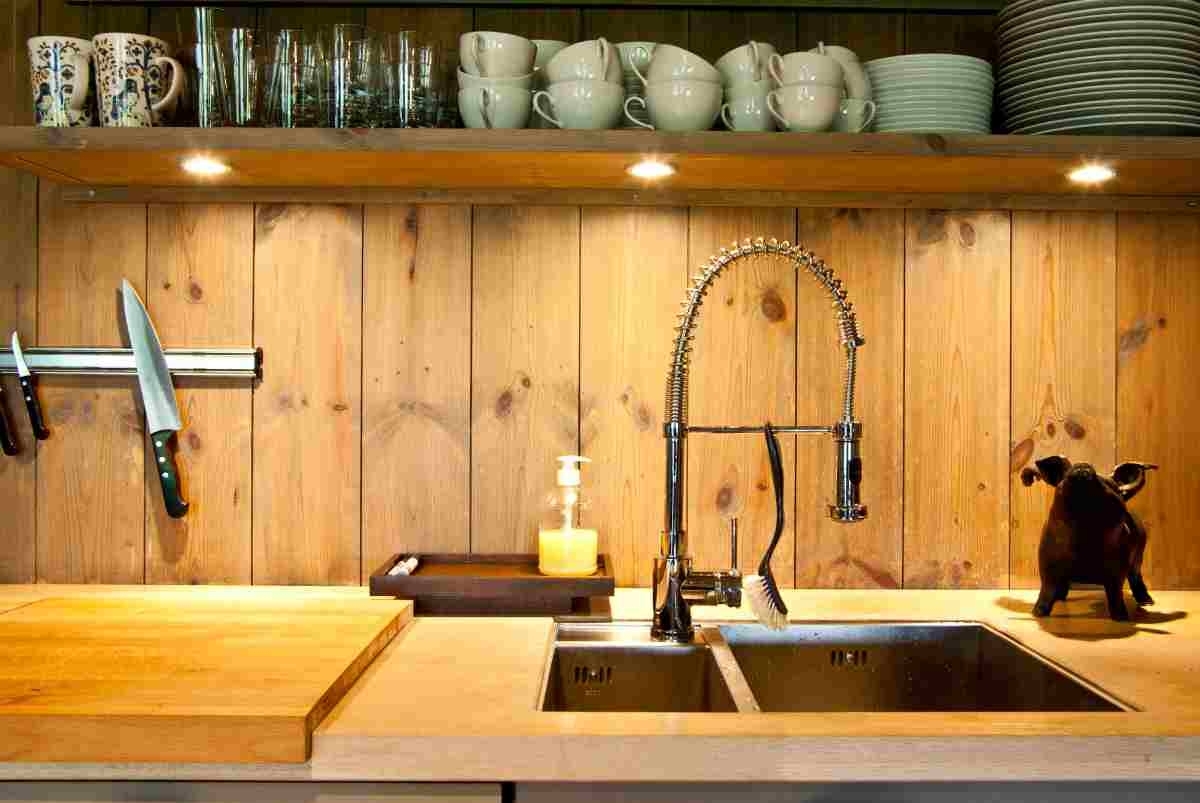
[[748, 113], [858, 85], [546, 50], [468, 81], [639, 53], [491, 54], [759, 88], [495, 107], [671, 63], [745, 64], [591, 60], [854, 115], [678, 105], [805, 107], [592, 105], [805, 68]]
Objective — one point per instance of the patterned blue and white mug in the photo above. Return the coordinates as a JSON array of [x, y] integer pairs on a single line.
[[138, 83], [60, 71]]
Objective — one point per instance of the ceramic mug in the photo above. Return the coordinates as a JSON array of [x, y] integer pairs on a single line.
[[805, 68], [592, 105], [857, 84], [631, 53], [678, 105], [60, 70], [745, 64], [748, 113], [805, 107], [546, 50], [495, 107], [138, 83], [491, 54], [854, 115], [591, 60], [753, 88], [468, 81], [671, 63]]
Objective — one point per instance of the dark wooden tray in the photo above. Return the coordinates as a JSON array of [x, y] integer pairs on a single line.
[[495, 585]]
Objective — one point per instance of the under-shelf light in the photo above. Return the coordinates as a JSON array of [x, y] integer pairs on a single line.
[[651, 169], [205, 166], [1094, 173]]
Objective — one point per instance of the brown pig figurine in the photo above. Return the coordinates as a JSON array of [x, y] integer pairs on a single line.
[[1090, 536]]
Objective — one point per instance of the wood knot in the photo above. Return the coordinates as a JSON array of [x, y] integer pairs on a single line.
[[966, 234], [340, 407], [1133, 339], [1020, 455], [193, 441], [726, 495], [268, 217], [1051, 429], [772, 306], [504, 404], [526, 382], [195, 291], [1074, 429], [412, 221], [936, 142], [931, 227]]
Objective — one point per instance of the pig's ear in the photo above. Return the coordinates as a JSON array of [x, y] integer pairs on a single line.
[[1130, 478], [1053, 469]]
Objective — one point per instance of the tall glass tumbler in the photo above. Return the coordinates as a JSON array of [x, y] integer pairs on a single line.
[[424, 87], [358, 93], [297, 81], [242, 70]]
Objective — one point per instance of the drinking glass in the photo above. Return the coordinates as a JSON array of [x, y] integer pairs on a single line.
[[358, 90], [424, 87], [297, 95], [241, 61]]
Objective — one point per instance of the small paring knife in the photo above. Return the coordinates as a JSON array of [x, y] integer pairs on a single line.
[[29, 391], [7, 444], [158, 397]]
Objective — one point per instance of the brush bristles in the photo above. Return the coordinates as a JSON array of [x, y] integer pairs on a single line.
[[763, 602]]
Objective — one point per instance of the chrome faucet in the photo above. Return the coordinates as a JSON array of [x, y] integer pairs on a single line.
[[676, 585]]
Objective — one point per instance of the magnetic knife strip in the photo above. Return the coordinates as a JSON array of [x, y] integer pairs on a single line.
[[243, 363]]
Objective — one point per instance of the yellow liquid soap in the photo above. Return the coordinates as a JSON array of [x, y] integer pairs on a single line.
[[567, 552]]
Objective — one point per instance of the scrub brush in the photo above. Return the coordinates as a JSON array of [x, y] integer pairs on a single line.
[[765, 599]]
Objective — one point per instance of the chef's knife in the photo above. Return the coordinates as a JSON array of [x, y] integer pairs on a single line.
[[29, 391], [158, 396], [7, 444]]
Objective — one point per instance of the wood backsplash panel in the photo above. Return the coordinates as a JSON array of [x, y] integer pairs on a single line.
[[870, 36], [91, 487], [416, 381], [200, 293], [633, 275], [743, 372], [714, 32], [637, 25], [1158, 292], [956, 399], [865, 247], [308, 408], [533, 23], [1063, 359], [525, 367]]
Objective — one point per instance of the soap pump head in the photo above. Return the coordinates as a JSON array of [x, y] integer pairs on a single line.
[[568, 473]]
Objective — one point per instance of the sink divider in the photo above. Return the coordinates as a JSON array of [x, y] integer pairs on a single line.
[[731, 672]]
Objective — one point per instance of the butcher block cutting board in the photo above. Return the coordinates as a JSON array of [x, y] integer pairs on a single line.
[[195, 679]]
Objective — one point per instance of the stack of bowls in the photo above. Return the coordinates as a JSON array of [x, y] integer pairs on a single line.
[[634, 56], [585, 89], [932, 92], [1100, 66], [747, 82], [495, 79], [810, 91], [680, 92]]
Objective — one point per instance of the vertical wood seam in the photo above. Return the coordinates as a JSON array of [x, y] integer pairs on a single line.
[[253, 339], [362, 388], [471, 377], [146, 487], [1011, 331]]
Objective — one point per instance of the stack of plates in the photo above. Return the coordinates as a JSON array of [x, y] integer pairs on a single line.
[[933, 92], [1100, 66]]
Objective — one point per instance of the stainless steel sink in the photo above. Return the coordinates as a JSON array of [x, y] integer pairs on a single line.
[[939, 666], [619, 668], [907, 666]]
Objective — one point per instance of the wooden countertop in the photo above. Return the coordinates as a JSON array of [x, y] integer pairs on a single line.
[[456, 700]]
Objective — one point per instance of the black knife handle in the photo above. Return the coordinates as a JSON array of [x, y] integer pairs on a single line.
[[29, 391], [6, 439], [168, 474]]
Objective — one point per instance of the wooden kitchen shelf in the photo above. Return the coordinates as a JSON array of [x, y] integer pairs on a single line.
[[967, 6], [589, 167]]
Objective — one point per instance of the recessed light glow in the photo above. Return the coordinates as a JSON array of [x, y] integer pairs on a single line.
[[1092, 174], [204, 166], [651, 169]]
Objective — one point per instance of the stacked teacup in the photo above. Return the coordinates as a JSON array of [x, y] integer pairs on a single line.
[[857, 111], [585, 89], [681, 91], [810, 90], [495, 79], [634, 56], [747, 82]]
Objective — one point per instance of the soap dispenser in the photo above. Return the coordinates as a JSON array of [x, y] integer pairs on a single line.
[[566, 546]]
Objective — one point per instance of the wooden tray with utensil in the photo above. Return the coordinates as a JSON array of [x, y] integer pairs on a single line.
[[496, 585]]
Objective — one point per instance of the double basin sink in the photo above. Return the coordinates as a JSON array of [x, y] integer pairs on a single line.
[[902, 666]]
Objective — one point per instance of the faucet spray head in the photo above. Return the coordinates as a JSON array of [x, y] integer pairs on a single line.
[[848, 508]]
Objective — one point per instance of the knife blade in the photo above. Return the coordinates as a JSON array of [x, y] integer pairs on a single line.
[[158, 396], [29, 391]]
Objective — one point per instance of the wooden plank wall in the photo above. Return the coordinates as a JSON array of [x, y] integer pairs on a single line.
[[424, 365]]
